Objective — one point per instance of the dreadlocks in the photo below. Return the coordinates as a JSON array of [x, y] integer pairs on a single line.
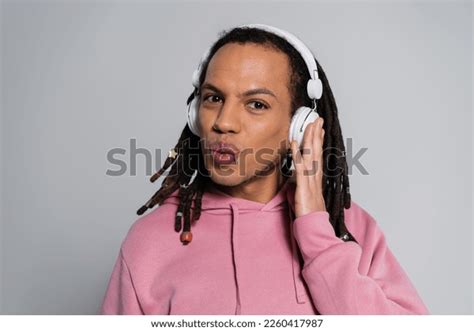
[[335, 179]]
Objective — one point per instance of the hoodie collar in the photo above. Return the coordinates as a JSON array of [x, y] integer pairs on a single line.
[[216, 201]]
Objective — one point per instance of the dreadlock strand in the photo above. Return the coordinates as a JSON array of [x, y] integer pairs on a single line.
[[179, 210], [186, 236]]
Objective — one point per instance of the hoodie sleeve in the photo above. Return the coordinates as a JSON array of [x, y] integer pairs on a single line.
[[120, 297], [348, 278]]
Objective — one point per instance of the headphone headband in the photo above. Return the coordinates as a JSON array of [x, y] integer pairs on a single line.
[[314, 86]]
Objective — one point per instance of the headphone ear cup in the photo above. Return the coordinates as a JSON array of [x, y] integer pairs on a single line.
[[302, 117], [193, 109], [195, 78], [314, 88]]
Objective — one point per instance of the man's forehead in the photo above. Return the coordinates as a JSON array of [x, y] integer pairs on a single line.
[[260, 69], [248, 56]]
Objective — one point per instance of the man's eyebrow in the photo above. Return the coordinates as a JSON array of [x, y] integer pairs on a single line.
[[261, 90]]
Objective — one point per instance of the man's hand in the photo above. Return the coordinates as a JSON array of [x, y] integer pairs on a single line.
[[309, 170]]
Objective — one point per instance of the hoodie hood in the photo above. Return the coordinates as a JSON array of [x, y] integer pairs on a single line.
[[215, 201]]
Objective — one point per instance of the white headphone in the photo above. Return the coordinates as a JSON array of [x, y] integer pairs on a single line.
[[314, 88]]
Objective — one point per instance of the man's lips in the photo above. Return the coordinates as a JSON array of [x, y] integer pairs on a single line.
[[223, 152], [223, 158], [223, 147]]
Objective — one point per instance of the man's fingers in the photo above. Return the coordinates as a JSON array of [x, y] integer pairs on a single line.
[[317, 140], [307, 144], [296, 156], [319, 145]]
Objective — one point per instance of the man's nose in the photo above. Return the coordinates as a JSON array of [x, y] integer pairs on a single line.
[[228, 118]]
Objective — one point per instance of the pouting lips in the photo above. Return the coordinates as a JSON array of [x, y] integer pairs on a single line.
[[224, 152], [222, 157]]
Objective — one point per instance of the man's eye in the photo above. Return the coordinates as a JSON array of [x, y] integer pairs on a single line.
[[259, 105], [212, 98]]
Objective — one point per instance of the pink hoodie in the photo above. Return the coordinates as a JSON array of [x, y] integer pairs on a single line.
[[244, 258]]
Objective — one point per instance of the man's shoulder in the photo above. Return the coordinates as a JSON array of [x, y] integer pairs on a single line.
[[151, 229], [360, 223]]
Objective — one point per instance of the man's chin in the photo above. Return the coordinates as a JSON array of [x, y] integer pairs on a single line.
[[228, 181]]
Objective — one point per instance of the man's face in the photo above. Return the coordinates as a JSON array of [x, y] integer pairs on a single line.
[[257, 122]]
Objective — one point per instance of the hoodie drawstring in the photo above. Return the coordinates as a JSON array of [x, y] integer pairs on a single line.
[[235, 222]]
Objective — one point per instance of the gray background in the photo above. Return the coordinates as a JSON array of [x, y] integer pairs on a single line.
[[80, 78]]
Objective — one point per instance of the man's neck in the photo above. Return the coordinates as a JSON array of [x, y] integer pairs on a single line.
[[258, 189]]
